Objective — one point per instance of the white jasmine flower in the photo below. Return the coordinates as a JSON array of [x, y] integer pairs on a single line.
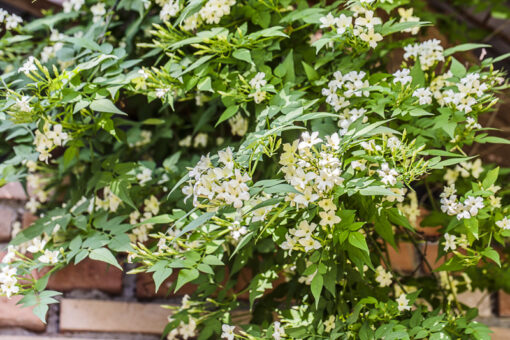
[[186, 141], [144, 176], [449, 242], [327, 21], [227, 332], [279, 331], [28, 66], [200, 140], [504, 223], [383, 277], [389, 176], [258, 80], [403, 303], [170, 9], [371, 37], [23, 104], [12, 21], [309, 140], [160, 93], [402, 76], [98, 11], [50, 257], [368, 21], [258, 96], [424, 96], [71, 5]]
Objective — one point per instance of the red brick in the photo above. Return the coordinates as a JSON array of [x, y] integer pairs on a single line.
[[500, 333], [145, 286], [430, 252], [503, 303], [432, 232], [13, 191], [88, 274], [112, 316], [7, 217], [12, 315], [402, 259], [27, 219]]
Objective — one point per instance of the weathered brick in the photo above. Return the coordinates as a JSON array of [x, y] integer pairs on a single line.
[[403, 259], [503, 304], [12, 315], [500, 333], [112, 316], [88, 274], [145, 286], [13, 191], [7, 217], [478, 299], [27, 219]]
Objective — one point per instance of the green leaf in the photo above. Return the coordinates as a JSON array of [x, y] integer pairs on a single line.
[[159, 276], [491, 139], [185, 276], [200, 220], [244, 55], [205, 85], [490, 178], [212, 260], [105, 105], [376, 190], [120, 189], [311, 74], [457, 68], [463, 48], [40, 311], [160, 219], [105, 255], [493, 255], [316, 287], [358, 240], [229, 112]]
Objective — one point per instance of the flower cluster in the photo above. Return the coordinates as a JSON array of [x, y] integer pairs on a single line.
[[428, 53], [257, 83], [184, 330], [466, 209], [311, 172], [301, 238], [214, 10], [72, 5], [11, 21], [452, 242], [465, 94], [98, 11], [465, 170], [48, 139], [363, 28], [151, 208], [219, 185], [110, 201], [406, 15], [169, 9], [8, 281], [238, 125], [344, 87]]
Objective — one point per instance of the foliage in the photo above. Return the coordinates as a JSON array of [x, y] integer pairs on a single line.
[[287, 141]]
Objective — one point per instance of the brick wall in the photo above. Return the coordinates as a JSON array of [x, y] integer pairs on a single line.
[[102, 302]]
